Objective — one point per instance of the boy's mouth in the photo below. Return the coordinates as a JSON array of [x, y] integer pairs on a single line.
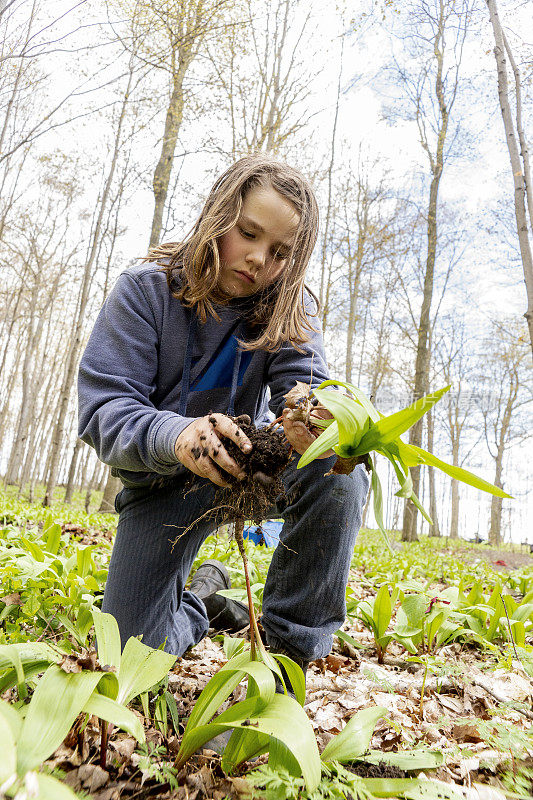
[[245, 276]]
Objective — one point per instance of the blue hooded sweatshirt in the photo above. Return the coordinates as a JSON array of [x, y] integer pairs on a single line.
[[151, 367]]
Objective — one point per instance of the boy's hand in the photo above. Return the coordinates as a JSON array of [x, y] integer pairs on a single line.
[[299, 435], [200, 448]]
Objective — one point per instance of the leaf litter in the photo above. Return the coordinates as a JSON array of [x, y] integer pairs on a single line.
[[456, 717]]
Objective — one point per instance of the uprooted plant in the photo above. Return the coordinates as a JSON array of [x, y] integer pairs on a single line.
[[356, 429]]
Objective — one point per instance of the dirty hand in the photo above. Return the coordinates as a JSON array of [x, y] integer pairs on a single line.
[[300, 436], [200, 447]]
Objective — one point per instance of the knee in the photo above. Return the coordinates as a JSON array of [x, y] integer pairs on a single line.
[[313, 485]]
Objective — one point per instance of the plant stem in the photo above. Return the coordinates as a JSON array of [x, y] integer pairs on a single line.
[[509, 624], [421, 709], [274, 423], [104, 730], [255, 638]]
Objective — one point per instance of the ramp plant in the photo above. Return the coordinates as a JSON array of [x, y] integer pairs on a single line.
[[31, 734], [357, 430]]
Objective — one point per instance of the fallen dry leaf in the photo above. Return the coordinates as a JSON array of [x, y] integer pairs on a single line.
[[12, 599]]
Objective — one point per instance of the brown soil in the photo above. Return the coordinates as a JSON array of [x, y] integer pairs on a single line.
[[380, 770], [251, 498]]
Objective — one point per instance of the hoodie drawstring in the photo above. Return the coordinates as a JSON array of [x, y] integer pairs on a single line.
[[185, 380], [234, 382]]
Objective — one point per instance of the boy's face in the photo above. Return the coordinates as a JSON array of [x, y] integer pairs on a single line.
[[255, 251]]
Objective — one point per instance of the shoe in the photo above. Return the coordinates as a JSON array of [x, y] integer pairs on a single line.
[[224, 614], [276, 647]]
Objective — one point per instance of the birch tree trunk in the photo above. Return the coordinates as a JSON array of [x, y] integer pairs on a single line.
[[519, 159]]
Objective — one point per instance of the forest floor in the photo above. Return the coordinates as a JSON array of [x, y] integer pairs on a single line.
[[470, 702]]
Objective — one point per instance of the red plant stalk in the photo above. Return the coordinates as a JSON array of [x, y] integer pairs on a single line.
[[255, 636]]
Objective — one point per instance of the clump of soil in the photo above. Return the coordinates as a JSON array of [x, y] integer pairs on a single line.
[[251, 498], [379, 770]]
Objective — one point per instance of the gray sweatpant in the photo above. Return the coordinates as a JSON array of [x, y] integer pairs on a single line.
[[304, 597]]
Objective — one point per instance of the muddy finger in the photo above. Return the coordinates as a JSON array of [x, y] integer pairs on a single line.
[[223, 460], [226, 427], [210, 470]]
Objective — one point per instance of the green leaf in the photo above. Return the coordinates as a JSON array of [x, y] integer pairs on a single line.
[[245, 743], [56, 702], [108, 638], [391, 452], [173, 709], [353, 741], [233, 646], [370, 409], [412, 760], [12, 717], [378, 504], [389, 428], [352, 419], [12, 655], [108, 709], [53, 538], [382, 610], [282, 718], [8, 759], [345, 637], [224, 682], [294, 674], [51, 788], [459, 473], [523, 612], [140, 668], [33, 549], [84, 560], [406, 487], [327, 439]]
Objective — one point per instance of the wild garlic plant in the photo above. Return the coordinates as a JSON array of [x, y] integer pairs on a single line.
[[358, 429]]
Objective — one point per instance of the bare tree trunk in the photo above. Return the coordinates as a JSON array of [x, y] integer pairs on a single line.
[[433, 505], [93, 483], [163, 169], [496, 502], [520, 167], [69, 489], [454, 522], [325, 238], [436, 162], [112, 487]]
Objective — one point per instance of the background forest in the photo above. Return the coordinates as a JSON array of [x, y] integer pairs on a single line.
[[115, 117]]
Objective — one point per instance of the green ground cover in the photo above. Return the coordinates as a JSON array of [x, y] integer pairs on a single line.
[[438, 635]]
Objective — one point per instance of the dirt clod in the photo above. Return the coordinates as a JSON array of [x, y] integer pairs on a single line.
[[252, 497], [379, 770]]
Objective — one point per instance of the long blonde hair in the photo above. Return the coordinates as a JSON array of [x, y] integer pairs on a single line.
[[278, 311]]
